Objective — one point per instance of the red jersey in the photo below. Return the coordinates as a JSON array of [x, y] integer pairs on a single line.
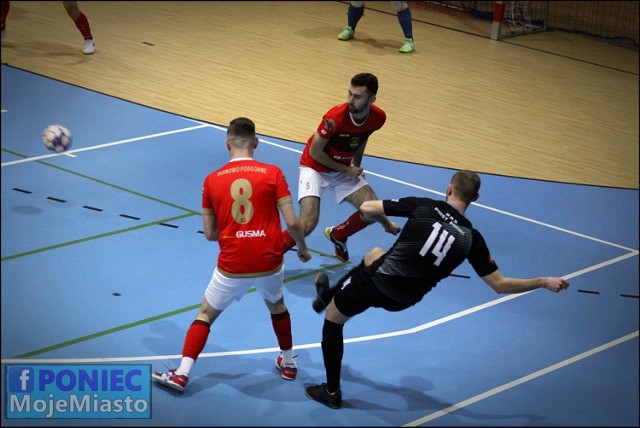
[[347, 136], [245, 195]]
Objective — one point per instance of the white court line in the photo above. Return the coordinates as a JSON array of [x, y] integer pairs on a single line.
[[221, 128], [101, 146], [413, 330], [522, 380], [550, 226], [450, 409], [405, 332]]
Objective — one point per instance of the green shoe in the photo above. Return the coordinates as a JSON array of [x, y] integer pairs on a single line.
[[346, 34], [408, 46]]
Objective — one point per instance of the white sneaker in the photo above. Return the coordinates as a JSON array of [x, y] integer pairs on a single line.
[[89, 47]]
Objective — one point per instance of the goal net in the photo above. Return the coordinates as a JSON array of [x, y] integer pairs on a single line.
[[516, 18]]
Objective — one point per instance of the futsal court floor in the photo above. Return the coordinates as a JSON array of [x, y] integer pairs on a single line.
[[103, 261]]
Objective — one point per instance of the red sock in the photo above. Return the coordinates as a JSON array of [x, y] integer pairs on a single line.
[[5, 12], [196, 339], [83, 25], [351, 226], [282, 327], [287, 241]]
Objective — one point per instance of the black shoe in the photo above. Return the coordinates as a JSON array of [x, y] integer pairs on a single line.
[[322, 291], [321, 395]]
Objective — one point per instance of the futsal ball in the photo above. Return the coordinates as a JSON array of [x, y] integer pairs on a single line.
[[56, 138]]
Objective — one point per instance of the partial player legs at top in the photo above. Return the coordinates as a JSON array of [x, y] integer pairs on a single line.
[[5, 12], [356, 11], [76, 15], [82, 23]]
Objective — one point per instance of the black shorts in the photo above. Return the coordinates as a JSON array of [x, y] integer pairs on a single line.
[[359, 292]]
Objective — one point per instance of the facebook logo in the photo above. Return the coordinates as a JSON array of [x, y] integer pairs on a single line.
[[21, 379], [70, 391]]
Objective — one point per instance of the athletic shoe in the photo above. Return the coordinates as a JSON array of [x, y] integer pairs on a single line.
[[171, 379], [89, 47], [408, 46], [341, 246], [346, 34], [289, 370], [321, 395], [322, 288]]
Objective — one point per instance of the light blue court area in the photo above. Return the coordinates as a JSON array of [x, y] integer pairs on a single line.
[[104, 261]]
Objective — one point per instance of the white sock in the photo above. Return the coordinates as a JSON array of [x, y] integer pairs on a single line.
[[287, 356], [185, 366]]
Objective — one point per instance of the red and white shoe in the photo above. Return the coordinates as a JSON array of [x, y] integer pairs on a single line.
[[171, 379], [289, 370]]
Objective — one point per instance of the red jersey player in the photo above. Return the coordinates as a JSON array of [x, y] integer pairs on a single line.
[[331, 161], [241, 207]]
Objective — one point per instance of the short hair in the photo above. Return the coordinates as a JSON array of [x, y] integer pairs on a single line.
[[368, 80], [466, 185], [242, 128]]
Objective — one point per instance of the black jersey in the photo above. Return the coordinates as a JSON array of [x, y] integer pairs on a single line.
[[435, 240]]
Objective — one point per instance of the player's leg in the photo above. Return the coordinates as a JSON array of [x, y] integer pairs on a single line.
[[324, 291], [329, 393], [220, 293], [311, 186], [309, 216], [355, 223], [353, 294], [281, 322], [82, 24], [406, 23], [355, 191], [194, 342], [356, 199], [309, 213], [271, 288], [5, 13], [354, 13]]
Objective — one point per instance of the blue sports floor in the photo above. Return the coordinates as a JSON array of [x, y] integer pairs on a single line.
[[103, 262]]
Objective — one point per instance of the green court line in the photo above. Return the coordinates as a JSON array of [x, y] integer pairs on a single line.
[[154, 318], [133, 192], [90, 238], [105, 332], [115, 186], [147, 320]]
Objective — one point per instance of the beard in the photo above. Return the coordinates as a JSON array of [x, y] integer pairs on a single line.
[[356, 110]]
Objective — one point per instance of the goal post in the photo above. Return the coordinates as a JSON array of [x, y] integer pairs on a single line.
[[516, 18], [498, 16]]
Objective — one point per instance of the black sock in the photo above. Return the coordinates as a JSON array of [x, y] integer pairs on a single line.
[[332, 352]]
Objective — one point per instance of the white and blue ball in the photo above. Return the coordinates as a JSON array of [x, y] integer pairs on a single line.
[[56, 138]]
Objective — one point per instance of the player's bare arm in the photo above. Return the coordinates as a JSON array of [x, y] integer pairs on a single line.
[[373, 210], [317, 152], [210, 225], [295, 230], [504, 285]]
